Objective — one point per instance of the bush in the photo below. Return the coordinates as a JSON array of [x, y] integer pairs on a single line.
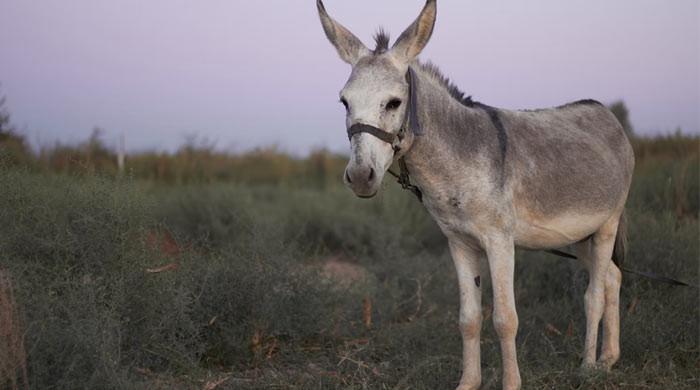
[[79, 254]]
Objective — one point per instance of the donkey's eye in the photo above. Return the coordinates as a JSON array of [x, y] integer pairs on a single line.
[[345, 103], [393, 104]]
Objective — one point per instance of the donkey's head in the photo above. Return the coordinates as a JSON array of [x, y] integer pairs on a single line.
[[376, 96]]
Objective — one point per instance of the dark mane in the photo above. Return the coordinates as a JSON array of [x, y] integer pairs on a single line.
[[381, 39], [582, 102], [453, 90]]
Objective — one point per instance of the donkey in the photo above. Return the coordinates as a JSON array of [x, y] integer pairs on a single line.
[[492, 179]]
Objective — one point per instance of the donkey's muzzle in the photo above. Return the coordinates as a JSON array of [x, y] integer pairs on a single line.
[[362, 180]]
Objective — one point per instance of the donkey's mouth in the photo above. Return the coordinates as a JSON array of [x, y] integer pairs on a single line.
[[367, 196]]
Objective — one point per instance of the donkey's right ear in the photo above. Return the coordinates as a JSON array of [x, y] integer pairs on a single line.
[[350, 48]]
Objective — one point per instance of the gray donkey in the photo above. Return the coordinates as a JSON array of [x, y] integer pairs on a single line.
[[492, 179]]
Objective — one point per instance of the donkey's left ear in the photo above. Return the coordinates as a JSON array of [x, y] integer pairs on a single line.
[[413, 40]]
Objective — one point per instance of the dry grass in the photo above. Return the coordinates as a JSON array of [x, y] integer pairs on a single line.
[[13, 357]]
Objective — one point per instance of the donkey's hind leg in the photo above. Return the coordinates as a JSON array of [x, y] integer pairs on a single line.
[[596, 254], [610, 352]]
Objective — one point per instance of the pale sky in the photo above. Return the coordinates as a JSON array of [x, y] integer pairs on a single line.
[[260, 73]]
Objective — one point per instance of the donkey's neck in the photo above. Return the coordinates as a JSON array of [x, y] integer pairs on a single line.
[[455, 138]]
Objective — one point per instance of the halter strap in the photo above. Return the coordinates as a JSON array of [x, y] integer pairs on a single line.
[[413, 121], [375, 131]]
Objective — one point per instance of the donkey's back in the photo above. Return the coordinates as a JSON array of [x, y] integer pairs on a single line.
[[571, 167]]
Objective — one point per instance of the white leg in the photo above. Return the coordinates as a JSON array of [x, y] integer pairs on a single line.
[[501, 260], [467, 262], [610, 352], [598, 262]]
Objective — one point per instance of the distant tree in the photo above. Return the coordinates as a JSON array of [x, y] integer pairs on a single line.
[[4, 117], [13, 147], [619, 108], [95, 155]]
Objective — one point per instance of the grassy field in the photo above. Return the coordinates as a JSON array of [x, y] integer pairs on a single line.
[[120, 283]]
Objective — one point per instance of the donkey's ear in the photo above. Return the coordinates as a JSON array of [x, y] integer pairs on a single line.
[[413, 40], [350, 48]]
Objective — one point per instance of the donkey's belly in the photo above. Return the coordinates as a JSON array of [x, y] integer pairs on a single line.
[[556, 232]]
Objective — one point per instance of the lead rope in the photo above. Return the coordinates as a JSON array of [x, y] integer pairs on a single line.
[[405, 181], [648, 275]]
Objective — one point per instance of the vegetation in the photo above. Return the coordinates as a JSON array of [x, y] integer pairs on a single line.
[[619, 108], [256, 271]]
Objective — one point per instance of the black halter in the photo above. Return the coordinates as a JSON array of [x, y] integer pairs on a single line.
[[410, 123]]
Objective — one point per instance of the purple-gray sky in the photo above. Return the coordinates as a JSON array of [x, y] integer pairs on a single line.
[[256, 73]]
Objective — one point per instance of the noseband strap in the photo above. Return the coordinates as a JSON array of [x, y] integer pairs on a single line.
[[375, 131], [410, 122]]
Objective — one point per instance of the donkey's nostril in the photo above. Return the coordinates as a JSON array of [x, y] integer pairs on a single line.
[[371, 174], [347, 176]]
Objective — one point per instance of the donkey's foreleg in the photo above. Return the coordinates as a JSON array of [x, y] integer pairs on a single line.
[[467, 261], [598, 263], [500, 252], [610, 352]]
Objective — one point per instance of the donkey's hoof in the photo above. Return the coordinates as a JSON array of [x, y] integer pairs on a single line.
[[591, 370], [588, 368], [605, 364], [512, 383], [469, 386], [607, 361]]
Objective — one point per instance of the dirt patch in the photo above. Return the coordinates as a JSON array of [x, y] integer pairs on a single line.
[[342, 271]]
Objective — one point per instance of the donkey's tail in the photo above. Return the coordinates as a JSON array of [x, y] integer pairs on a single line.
[[620, 250]]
